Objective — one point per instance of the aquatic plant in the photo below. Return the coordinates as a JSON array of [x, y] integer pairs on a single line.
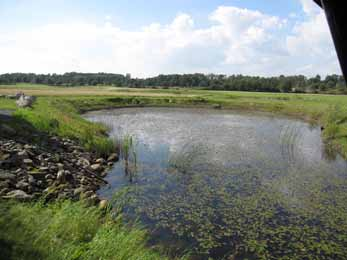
[[190, 157], [237, 215], [128, 153]]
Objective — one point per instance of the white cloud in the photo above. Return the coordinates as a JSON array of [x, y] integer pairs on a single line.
[[311, 43], [236, 41], [309, 7], [246, 34]]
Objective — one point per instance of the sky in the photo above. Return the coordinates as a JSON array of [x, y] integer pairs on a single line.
[[151, 37]]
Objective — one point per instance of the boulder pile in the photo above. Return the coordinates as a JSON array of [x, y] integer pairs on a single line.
[[62, 169]]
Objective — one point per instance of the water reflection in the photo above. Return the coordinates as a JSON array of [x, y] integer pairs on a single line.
[[226, 184]]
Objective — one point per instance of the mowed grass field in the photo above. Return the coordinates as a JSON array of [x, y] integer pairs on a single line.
[[43, 90]]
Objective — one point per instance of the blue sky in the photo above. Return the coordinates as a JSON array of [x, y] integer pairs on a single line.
[[128, 14], [260, 37]]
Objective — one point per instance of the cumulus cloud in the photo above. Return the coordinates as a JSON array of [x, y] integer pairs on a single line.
[[236, 41], [309, 7], [311, 43]]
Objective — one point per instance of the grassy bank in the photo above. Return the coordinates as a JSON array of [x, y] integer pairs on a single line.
[[67, 230], [59, 117]]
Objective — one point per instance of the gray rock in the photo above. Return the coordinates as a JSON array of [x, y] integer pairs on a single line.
[[84, 162], [63, 195], [5, 156], [86, 194], [103, 174], [37, 175], [4, 191], [27, 161], [113, 157], [84, 181], [100, 161], [17, 194], [110, 164], [23, 153], [56, 158], [30, 189], [94, 199], [22, 185], [49, 177], [61, 176], [5, 184], [103, 204], [27, 146], [96, 167], [31, 180], [78, 191], [7, 176]]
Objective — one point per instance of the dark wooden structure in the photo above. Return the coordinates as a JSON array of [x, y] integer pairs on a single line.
[[335, 12]]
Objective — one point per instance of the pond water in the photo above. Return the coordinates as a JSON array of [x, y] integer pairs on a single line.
[[228, 184]]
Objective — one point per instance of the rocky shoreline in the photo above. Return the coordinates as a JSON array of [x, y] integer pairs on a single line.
[[60, 169]]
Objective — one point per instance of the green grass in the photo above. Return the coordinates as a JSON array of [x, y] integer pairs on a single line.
[[67, 230], [7, 104], [61, 118]]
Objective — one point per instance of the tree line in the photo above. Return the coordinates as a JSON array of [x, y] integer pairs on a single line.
[[297, 84]]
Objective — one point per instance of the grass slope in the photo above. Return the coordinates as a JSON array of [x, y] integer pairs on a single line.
[[66, 230]]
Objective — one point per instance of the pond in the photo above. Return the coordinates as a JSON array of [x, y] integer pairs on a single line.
[[228, 185]]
